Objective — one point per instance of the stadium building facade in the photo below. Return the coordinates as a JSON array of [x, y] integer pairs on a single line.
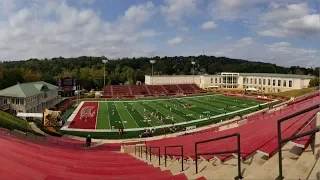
[[266, 82], [31, 97]]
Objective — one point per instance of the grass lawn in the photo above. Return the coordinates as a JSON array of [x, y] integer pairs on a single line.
[[295, 93], [11, 122]]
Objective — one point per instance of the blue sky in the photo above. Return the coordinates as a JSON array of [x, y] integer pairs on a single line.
[[285, 32]]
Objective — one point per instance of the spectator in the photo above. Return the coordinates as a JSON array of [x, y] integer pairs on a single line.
[[88, 140]]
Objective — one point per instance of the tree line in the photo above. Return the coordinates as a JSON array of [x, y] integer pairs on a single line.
[[89, 71]]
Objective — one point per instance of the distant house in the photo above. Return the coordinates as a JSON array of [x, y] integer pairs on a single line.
[[31, 97]]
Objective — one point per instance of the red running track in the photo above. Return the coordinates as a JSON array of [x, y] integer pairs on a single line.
[[91, 109]]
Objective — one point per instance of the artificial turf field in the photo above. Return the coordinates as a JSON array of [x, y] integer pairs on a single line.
[[132, 114]]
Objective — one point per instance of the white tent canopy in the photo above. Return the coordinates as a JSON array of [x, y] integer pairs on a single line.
[[213, 86], [251, 89], [34, 115]]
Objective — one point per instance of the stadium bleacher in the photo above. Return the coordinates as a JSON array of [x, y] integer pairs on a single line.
[[149, 90], [28, 160], [64, 158]]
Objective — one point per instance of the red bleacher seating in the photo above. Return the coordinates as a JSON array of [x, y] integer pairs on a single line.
[[28, 160], [156, 89], [108, 91], [258, 135], [172, 89], [187, 88], [121, 90], [139, 90], [149, 90], [303, 141]]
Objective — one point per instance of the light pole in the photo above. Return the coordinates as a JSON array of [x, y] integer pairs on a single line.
[[193, 70], [104, 61], [152, 62]]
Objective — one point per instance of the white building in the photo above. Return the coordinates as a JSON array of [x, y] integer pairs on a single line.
[[261, 81], [29, 97]]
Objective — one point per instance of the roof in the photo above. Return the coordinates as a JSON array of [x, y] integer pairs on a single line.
[[27, 89], [277, 75]]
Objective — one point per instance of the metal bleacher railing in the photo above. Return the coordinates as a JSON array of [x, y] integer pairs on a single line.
[[282, 141], [238, 150], [166, 154]]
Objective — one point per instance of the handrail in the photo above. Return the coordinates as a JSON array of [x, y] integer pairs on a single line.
[[140, 150], [165, 154], [238, 150], [282, 141], [150, 148], [134, 141]]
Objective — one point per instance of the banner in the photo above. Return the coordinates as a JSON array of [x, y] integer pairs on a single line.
[[51, 118]]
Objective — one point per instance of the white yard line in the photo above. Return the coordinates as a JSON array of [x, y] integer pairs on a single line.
[[95, 127], [108, 116], [120, 117], [169, 125], [131, 116]]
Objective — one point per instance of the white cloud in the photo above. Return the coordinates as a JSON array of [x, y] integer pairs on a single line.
[[54, 28], [175, 9], [209, 25], [234, 9], [228, 37], [293, 20], [280, 53], [175, 41]]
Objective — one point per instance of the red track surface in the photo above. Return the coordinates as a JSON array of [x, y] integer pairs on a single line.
[[86, 123]]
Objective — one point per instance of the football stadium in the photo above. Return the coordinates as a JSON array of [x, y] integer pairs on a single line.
[[159, 90]]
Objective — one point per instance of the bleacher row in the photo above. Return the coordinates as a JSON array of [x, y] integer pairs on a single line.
[[21, 159], [149, 90], [258, 136]]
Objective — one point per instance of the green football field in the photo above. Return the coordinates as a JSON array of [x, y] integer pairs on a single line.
[[157, 112]]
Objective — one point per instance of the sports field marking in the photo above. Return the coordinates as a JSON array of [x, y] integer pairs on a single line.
[[176, 118], [152, 109], [107, 110], [95, 126], [130, 114], [126, 118], [141, 108]]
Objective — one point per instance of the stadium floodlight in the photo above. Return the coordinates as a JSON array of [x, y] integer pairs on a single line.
[[193, 70], [152, 62], [104, 61]]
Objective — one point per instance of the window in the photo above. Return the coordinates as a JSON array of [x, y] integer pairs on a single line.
[[259, 81], [211, 80], [21, 101], [216, 80], [250, 80], [284, 83], [244, 80], [290, 83], [274, 82], [264, 88], [12, 101], [5, 101], [279, 90], [255, 81], [264, 82], [279, 82], [269, 82], [17, 101]]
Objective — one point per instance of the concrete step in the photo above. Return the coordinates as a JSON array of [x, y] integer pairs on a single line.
[[303, 166], [315, 172]]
